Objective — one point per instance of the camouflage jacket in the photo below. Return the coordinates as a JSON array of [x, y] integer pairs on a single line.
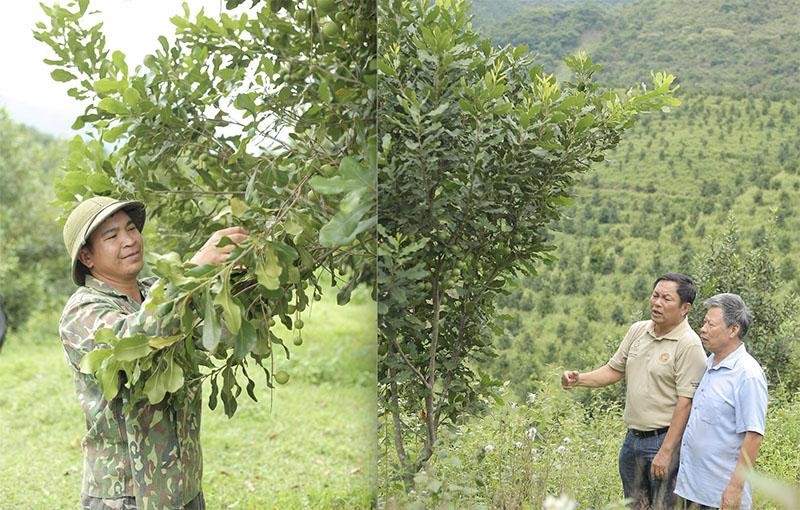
[[151, 453]]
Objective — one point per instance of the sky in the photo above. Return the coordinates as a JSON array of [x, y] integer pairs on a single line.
[[28, 92]]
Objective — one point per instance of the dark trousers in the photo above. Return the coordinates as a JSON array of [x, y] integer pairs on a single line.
[[647, 493], [685, 504], [129, 503]]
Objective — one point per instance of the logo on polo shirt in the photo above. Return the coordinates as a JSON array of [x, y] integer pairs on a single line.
[[664, 358]]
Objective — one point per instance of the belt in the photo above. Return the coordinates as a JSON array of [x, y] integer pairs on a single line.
[[649, 433]]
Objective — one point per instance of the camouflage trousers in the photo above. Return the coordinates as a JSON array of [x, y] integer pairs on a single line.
[[129, 503]]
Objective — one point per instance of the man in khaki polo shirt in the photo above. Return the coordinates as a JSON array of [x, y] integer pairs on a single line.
[[662, 361]]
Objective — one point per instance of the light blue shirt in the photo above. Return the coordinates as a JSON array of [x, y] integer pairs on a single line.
[[730, 401]]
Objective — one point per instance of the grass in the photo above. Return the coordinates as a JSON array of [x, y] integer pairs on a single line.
[[523, 452], [311, 445]]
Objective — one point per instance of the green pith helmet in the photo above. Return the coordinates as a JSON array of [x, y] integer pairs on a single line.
[[86, 217]]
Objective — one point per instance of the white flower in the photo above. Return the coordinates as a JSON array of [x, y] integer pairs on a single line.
[[561, 449], [531, 433], [563, 502], [488, 448], [518, 444], [531, 398], [513, 405], [567, 440]]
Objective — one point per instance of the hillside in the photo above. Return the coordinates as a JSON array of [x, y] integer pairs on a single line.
[[658, 203], [731, 47], [550, 33], [664, 197], [488, 11]]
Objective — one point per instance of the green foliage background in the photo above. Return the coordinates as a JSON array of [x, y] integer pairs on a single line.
[[732, 47], [32, 259], [481, 150], [666, 195], [710, 189], [296, 95], [310, 444], [487, 13], [659, 202], [262, 118]]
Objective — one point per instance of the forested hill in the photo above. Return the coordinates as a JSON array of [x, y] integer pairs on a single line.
[[662, 201], [487, 11], [33, 264], [730, 47]]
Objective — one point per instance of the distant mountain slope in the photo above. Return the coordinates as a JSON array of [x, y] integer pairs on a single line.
[[657, 204], [720, 46], [548, 32], [491, 11], [731, 47]]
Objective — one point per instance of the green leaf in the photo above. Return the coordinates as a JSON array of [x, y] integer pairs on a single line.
[[173, 375], [105, 336], [228, 399], [160, 342], [108, 378], [251, 185], [225, 241], [251, 386], [180, 22], [112, 105], [62, 75], [345, 226], [202, 270], [118, 58], [262, 345], [502, 108], [585, 123], [113, 134], [577, 100], [106, 85], [212, 397], [325, 92], [211, 328], [99, 183], [245, 102], [154, 386], [238, 207], [343, 296], [244, 341], [131, 97], [231, 311], [386, 68], [129, 349], [79, 123], [92, 360], [268, 271], [352, 176]]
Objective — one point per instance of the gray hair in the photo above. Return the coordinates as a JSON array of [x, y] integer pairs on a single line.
[[734, 311]]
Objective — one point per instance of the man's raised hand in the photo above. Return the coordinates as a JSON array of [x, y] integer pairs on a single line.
[[569, 379], [210, 253]]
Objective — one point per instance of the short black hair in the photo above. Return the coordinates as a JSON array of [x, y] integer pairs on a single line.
[[687, 289]]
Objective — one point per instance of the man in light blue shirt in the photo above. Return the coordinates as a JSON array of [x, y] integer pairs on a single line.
[[728, 416]]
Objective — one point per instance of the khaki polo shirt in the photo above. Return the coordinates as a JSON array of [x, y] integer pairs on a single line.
[[657, 371]]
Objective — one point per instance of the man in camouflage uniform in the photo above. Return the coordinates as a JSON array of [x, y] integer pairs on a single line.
[[148, 456]]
